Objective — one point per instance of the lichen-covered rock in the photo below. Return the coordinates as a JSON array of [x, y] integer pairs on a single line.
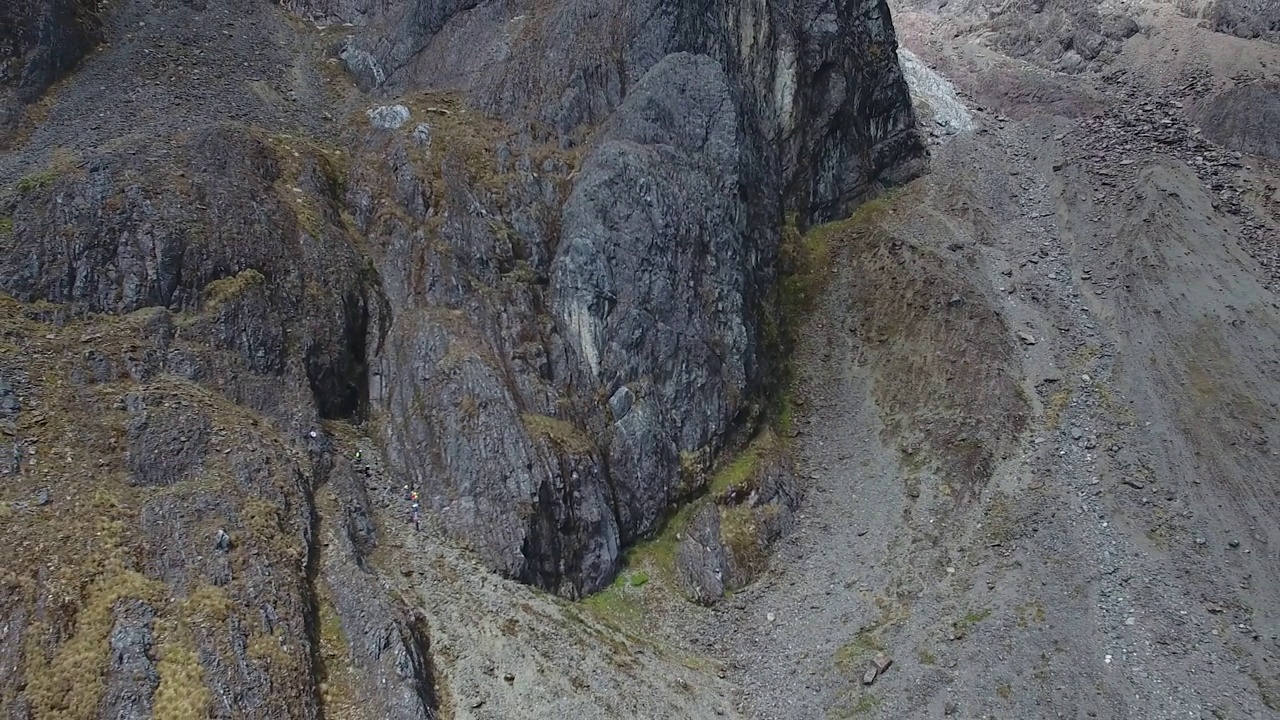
[[528, 282], [523, 490], [212, 317], [701, 562], [725, 545], [818, 79]]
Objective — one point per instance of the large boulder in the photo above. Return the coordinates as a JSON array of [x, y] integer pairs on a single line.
[[577, 230]]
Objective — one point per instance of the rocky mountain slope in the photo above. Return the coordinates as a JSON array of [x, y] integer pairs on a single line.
[[1039, 399], [265, 266], [716, 408]]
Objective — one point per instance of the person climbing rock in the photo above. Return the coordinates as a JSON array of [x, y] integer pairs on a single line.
[[414, 508]]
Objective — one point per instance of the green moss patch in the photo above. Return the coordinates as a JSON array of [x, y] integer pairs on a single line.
[[36, 181]]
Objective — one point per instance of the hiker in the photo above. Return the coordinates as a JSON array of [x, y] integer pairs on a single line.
[[414, 507]]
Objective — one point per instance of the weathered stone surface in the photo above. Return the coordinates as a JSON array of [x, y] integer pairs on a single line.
[[388, 643], [1245, 118], [547, 289], [131, 678], [725, 547], [40, 41], [1069, 36], [538, 294], [1246, 18], [701, 562], [523, 490], [648, 279], [9, 404], [167, 441], [388, 117], [817, 77]]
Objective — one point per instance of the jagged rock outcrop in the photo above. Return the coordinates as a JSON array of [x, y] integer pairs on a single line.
[[1245, 18], [39, 43], [1068, 36], [648, 282], [549, 294], [726, 543], [386, 644], [174, 331], [563, 369]]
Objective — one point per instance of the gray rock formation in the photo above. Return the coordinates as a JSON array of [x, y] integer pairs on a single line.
[[132, 678], [641, 279], [725, 545], [39, 43], [388, 644], [649, 279], [1245, 118], [1069, 36], [1246, 18], [545, 283]]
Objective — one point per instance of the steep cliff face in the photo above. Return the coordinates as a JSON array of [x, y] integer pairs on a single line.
[[608, 245], [39, 43], [816, 84], [548, 299], [173, 334]]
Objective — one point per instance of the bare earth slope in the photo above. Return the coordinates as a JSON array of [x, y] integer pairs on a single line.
[[1102, 541]]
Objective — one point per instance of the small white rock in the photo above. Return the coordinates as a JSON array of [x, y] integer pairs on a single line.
[[388, 117]]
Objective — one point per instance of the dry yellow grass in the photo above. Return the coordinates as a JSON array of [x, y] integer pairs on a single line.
[[69, 684], [182, 694]]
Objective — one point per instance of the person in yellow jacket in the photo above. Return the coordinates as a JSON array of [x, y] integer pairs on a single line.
[[414, 507]]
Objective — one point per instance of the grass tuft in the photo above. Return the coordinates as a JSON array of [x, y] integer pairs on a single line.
[[35, 181], [70, 683], [229, 288], [182, 694], [563, 434], [966, 623]]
